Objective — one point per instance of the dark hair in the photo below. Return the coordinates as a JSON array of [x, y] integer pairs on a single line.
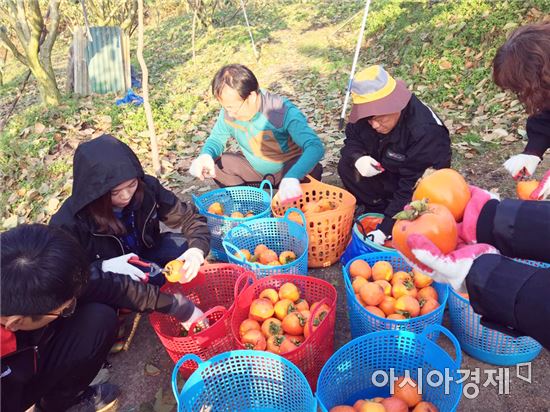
[[101, 211], [237, 77], [522, 65], [42, 267]]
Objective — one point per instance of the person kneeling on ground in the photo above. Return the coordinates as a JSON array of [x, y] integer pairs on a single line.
[[273, 135], [391, 139], [505, 292], [115, 211], [58, 320]]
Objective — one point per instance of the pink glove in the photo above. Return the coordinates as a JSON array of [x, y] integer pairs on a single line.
[[467, 228], [543, 189], [451, 269]]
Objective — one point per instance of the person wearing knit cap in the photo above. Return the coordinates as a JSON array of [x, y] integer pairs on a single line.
[[391, 139]]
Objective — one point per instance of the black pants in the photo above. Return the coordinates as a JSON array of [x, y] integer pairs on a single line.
[[374, 192], [71, 358]]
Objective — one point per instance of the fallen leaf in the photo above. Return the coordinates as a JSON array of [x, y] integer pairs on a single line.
[[52, 205], [10, 222], [151, 370], [500, 132], [445, 64], [39, 128]]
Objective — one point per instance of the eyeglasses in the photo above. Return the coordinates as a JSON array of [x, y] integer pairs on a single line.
[[233, 112], [67, 311]]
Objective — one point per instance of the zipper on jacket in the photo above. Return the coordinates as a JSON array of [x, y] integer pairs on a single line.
[[114, 237], [145, 223]]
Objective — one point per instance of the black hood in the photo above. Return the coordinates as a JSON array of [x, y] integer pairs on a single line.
[[98, 166]]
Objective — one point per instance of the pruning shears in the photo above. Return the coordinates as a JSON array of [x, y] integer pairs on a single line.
[[151, 269]]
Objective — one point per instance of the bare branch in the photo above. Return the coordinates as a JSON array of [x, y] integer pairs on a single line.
[[51, 27], [21, 21], [9, 44]]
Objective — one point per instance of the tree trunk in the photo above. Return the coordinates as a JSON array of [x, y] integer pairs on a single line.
[[145, 86], [36, 36]]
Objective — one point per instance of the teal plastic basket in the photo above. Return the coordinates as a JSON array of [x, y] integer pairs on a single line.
[[362, 321], [233, 199], [243, 381], [278, 234], [357, 369], [486, 344]]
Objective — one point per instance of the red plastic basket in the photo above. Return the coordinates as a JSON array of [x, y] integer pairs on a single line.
[[315, 351], [214, 291]]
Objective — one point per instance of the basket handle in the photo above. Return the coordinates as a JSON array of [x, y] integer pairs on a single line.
[[360, 227], [438, 328], [198, 203], [309, 325], [294, 209], [204, 316], [230, 247], [265, 183], [177, 366], [249, 277]]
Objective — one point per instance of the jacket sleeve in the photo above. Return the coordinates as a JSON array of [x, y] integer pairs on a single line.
[[511, 294], [215, 144], [120, 291], [181, 215], [517, 228], [538, 133], [353, 147], [431, 149], [304, 136]]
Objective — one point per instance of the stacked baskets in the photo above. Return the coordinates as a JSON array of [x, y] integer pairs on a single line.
[[242, 199], [329, 232], [278, 234]]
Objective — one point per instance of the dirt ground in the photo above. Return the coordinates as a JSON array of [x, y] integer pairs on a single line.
[[144, 393]]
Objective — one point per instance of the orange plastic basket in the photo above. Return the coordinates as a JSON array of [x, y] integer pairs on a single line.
[[329, 232]]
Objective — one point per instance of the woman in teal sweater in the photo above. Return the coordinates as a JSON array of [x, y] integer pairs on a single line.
[[273, 135]]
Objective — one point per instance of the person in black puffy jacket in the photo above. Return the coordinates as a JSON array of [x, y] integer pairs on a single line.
[[510, 294], [391, 139], [115, 211], [58, 320]]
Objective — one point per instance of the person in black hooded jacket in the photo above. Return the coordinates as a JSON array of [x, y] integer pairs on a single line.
[[115, 211], [511, 295]]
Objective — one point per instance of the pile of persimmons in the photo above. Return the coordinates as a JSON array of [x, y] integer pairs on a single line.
[[280, 320], [404, 399], [392, 294], [265, 256]]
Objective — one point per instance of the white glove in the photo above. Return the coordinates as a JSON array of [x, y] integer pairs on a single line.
[[377, 236], [521, 163], [197, 313], [193, 258], [203, 167], [289, 189], [120, 265], [368, 167]]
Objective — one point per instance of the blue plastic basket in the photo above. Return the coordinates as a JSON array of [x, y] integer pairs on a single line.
[[485, 344], [233, 199], [359, 244], [352, 372], [278, 234], [362, 321], [244, 380]]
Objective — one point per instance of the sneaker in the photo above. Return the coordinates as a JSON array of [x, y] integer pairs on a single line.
[[97, 398]]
